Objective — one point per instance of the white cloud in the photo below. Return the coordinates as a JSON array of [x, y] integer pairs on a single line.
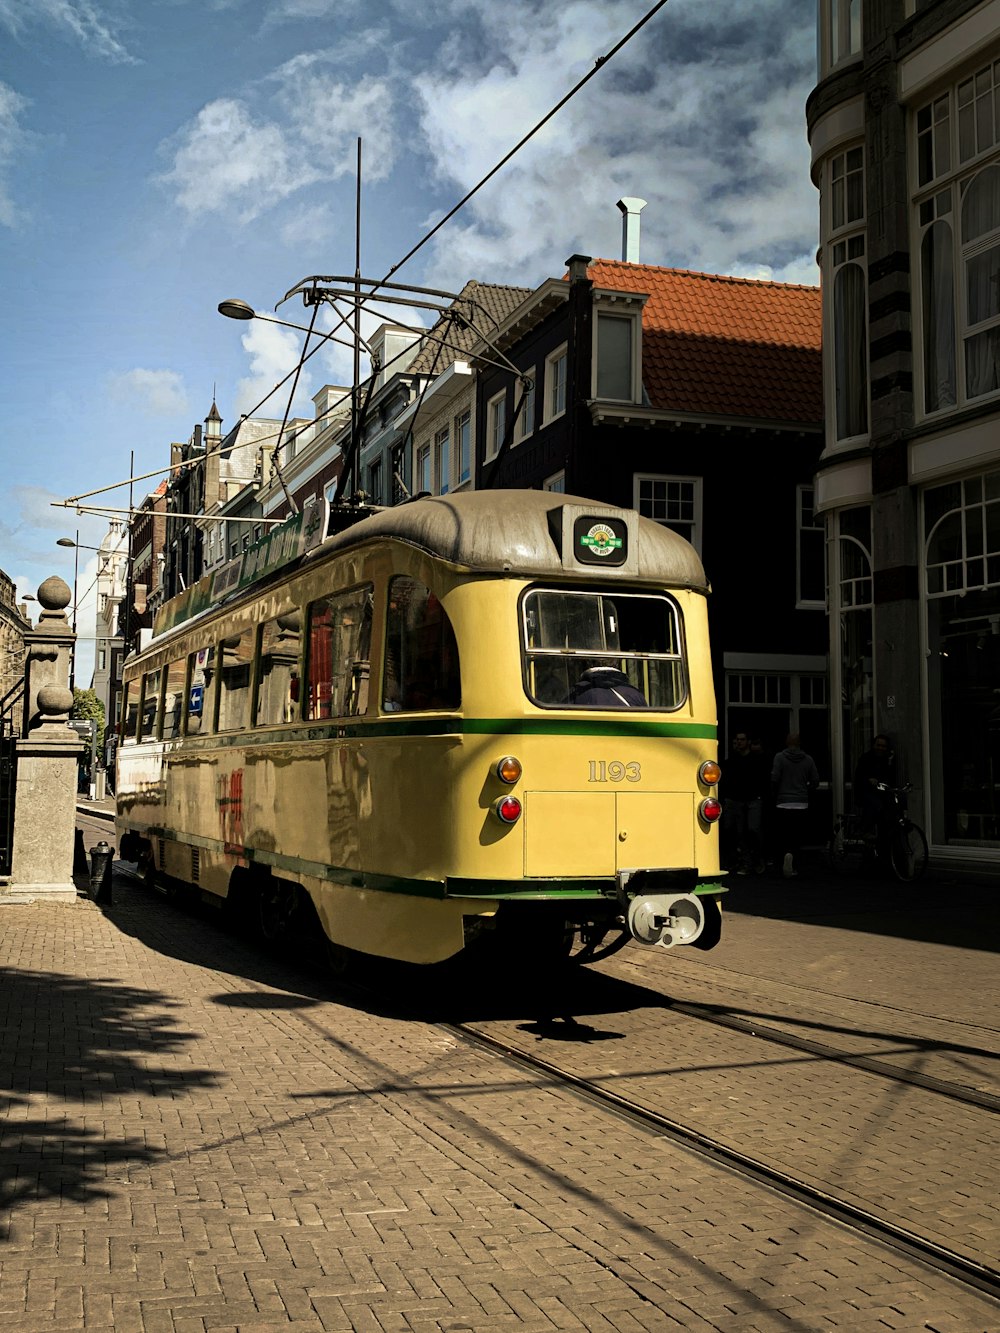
[[93, 26], [12, 140], [159, 393], [226, 162], [241, 160], [273, 352], [710, 131]]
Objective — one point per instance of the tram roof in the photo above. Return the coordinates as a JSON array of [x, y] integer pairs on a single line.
[[510, 531]]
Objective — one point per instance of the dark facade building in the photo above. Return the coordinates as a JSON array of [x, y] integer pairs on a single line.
[[696, 399], [904, 126]]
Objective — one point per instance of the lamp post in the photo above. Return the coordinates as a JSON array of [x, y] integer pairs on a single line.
[[75, 543]]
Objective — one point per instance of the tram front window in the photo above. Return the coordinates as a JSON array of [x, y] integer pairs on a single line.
[[627, 643]]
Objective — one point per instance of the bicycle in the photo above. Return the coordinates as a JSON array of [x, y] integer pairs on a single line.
[[897, 840]]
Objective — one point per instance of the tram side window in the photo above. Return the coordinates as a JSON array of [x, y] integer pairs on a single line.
[[199, 699], [340, 637], [236, 654], [278, 671], [173, 699], [569, 633], [421, 668], [130, 713], [150, 705]]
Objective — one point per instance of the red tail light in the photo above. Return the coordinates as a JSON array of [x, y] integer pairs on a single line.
[[507, 809], [710, 809]]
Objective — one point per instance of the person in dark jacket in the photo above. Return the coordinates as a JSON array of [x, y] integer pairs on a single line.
[[742, 790], [605, 687], [794, 777]]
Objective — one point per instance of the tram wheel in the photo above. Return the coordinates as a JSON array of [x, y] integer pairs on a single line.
[[277, 903]]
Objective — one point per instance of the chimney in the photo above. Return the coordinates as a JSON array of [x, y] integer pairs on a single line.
[[631, 208], [577, 266]]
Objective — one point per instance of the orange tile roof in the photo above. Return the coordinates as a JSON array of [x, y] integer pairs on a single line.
[[719, 346]]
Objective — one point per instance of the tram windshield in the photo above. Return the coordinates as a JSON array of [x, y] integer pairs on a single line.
[[601, 650]]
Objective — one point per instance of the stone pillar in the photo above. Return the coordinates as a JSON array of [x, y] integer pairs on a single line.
[[47, 758]]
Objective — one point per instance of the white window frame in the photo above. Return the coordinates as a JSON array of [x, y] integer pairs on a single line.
[[422, 468], [442, 460], [807, 528], [845, 244], [554, 379], [633, 318], [465, 418], [649, 504], [526, 421], [557, 482], [496, 424], [941, 178], [840, 33]]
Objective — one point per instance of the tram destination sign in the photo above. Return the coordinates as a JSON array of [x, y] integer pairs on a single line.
[[280, 546]]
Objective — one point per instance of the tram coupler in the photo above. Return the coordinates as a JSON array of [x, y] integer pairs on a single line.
[[666, 919], [101, 858]]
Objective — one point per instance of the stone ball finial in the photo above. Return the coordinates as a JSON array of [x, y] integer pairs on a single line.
[[55, 700], [54, 594]]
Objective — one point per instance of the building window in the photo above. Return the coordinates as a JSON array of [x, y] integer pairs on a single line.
[[839, 33], [557, 482], [423, 477], [855, 666], [810, 551], [463, 448], [102, 659], [961, 526], [496, 424], [614, 372], [555, 384], [442, 458], [845, 247], [957, 204], [375, 482], [526, 419], [673, 501]]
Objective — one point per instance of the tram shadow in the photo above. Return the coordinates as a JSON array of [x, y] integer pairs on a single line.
[[556, 1000]]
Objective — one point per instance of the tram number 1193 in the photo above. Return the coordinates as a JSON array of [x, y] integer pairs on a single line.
[[614, 771]]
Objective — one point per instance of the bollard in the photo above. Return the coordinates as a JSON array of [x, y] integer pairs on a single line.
[[80, 864], [101, 857]]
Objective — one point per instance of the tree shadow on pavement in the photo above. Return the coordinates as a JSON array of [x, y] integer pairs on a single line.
[[68, 1043]]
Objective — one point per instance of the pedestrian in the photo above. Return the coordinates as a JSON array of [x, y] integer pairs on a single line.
[[741, 789], [604, 686], [794, 777]]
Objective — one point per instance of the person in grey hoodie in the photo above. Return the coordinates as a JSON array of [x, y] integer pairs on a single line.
[[794, 777]]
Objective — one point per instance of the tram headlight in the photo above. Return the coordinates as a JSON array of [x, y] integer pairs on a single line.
[[508, 769], [709, 773], [710, 809], [507, 809]]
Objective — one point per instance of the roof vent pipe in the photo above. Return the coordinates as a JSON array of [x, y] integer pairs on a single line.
[[631, 208]]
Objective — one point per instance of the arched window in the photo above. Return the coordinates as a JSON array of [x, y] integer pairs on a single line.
[[850, 349]]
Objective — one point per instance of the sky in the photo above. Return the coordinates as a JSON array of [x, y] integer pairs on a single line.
[[158, 156]]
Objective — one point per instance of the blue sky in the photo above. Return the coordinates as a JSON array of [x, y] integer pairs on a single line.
[[159, 155]]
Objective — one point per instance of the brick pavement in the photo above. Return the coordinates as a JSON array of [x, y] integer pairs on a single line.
[[197, 1137]]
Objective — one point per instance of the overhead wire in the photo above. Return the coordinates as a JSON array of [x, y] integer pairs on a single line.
[[599, 64]]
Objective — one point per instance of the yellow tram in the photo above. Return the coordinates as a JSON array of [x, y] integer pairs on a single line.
[[480, 717]]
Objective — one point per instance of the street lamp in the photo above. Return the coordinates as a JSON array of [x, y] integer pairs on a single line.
[[234, 308]]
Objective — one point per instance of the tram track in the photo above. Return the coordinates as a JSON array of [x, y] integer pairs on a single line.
[[869, 1063], [940, 1258]]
